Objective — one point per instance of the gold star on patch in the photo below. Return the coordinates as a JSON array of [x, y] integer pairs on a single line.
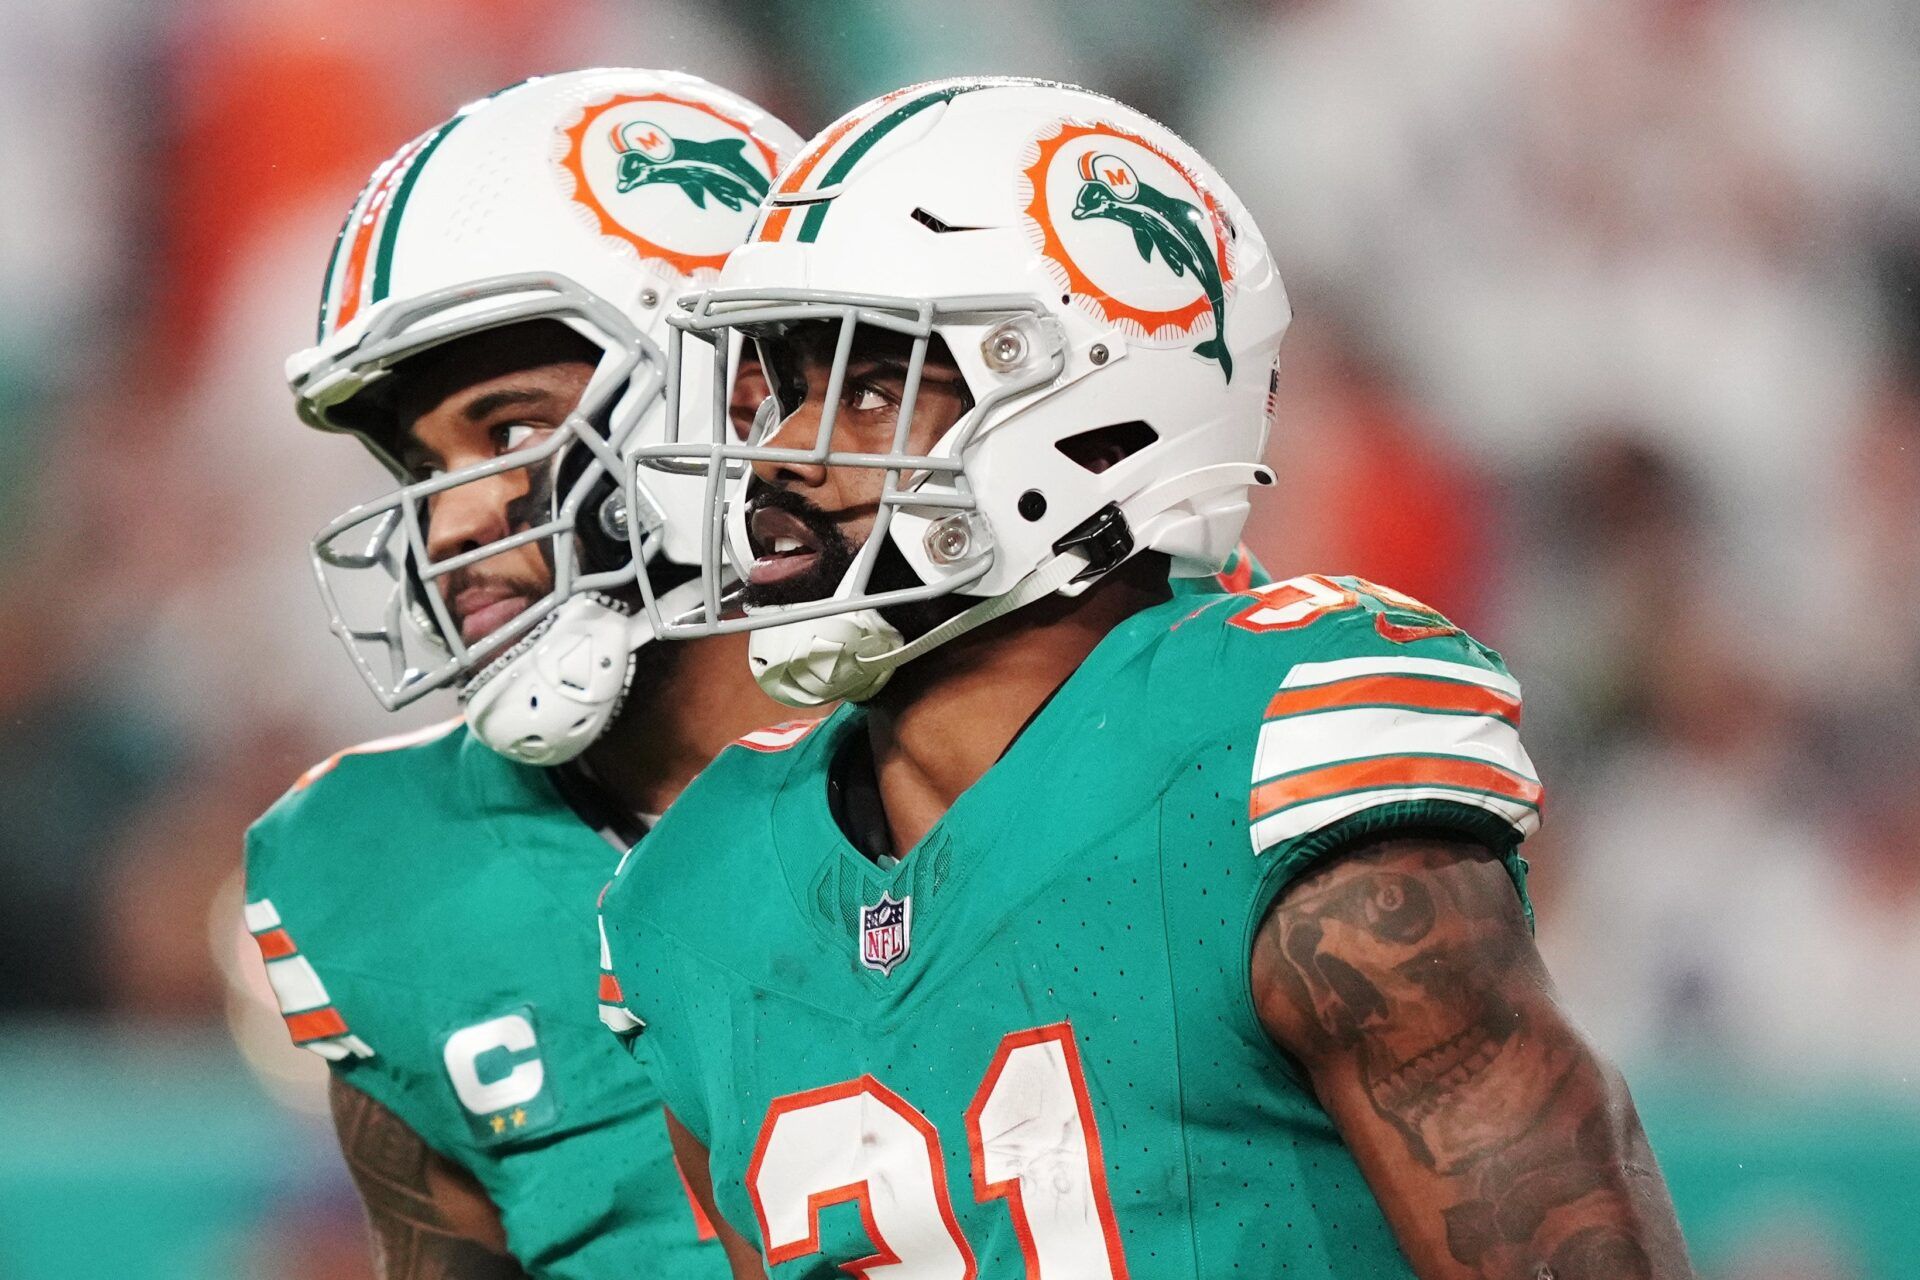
[[519, 1117], [499, 1124]]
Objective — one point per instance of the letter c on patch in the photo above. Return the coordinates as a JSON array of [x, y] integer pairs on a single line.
[[507, 1039]]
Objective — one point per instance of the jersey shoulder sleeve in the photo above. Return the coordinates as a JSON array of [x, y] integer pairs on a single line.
[[1356, 709], [638, 973], [706, 837], [308, 869], [668, 889]]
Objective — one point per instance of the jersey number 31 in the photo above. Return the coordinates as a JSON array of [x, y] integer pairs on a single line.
[[1031, 1134]]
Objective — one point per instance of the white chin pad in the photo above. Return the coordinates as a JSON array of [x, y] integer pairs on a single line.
[[811, 663], [548, 704]]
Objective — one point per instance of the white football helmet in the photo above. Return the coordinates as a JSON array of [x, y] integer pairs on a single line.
[[1086, 269], [596, 199]]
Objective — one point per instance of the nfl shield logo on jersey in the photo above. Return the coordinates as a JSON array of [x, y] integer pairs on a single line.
[[884, 932]]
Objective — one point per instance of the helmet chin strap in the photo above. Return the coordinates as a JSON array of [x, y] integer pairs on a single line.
[[551, 696], [851, 656]]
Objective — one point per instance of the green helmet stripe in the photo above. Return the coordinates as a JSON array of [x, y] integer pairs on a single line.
[[817, 214], [413, 155], [390, 233], [333, 265]]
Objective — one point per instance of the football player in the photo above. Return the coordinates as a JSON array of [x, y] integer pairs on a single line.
[[1102, 932], [491, 329]]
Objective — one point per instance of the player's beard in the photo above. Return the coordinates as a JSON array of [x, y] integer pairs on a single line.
[[831, 561], [508, 584], [891, 572]]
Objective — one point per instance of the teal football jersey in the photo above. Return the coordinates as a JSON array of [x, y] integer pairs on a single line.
[[425, 909], [1030, 1046]]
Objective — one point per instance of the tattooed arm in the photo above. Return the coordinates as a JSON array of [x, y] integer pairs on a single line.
[[1402, 977], [431, 1220]]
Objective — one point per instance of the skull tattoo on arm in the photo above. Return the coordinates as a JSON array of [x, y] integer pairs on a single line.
[[1402, 977]]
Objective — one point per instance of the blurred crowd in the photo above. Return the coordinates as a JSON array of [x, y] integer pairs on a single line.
[[1608, 346]]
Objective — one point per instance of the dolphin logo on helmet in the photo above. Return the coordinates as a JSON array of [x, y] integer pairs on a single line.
[[1066, 326], [1111, 189], [650, 155]]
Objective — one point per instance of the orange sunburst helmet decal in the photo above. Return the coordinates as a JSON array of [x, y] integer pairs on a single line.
[[583, 194], [1069, 274]]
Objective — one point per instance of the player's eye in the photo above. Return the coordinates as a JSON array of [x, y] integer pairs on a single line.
[[863, 397], [511, 437]]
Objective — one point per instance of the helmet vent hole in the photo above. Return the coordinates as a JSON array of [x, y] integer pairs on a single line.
[[1103, 447]]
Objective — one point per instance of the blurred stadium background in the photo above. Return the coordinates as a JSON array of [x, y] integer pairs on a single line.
[[1608, 346]]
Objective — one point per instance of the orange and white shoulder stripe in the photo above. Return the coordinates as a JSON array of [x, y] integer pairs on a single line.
[[777, 737], [312, 1020], [1348, 735], [395, 742], [613, 1002]]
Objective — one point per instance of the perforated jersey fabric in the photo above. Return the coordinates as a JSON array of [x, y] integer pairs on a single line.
[[438, 900], [1057, 1056]]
